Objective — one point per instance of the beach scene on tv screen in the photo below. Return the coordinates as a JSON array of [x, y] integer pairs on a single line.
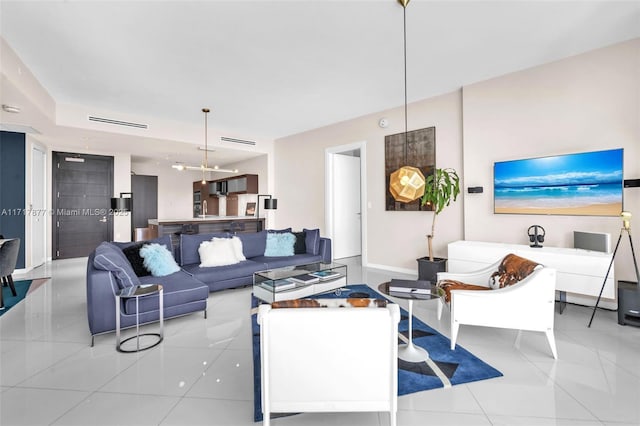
[[588, 183]]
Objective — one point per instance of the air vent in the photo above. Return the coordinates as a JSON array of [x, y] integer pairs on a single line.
[[117, 122], [233, 140]]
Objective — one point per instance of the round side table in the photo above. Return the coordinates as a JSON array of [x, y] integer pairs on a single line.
[[137, 292], [410, 352]]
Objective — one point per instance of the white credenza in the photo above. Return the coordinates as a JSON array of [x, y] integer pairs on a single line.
[[578, 271]]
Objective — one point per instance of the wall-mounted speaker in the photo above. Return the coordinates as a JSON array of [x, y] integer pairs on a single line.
[[631, 183], [475, 190]]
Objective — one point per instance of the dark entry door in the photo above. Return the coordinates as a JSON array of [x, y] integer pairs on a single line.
[[82, 188]]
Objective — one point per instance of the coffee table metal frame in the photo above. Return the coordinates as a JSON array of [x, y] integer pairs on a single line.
[[264, 291], [138, 292], [410, 352]]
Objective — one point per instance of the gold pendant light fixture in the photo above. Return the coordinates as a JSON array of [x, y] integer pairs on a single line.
[[407, 183], [204, 167]]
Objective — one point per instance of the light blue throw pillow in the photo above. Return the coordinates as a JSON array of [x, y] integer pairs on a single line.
[[279, 244], [158, 260]]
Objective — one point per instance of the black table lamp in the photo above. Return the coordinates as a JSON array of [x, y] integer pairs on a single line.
[[270, 203], [122, 203]]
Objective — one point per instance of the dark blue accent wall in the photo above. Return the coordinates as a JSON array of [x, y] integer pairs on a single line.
[[12, 189]]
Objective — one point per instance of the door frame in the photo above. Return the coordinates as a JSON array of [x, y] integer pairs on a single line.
[[33, 238], [329, 191]]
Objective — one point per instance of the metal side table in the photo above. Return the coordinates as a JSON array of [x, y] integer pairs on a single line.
[[138, 292]]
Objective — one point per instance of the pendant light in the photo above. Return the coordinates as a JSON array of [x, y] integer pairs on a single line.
[[407, 183], [204, 167]]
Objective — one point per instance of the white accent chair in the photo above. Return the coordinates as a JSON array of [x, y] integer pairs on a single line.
[[525, 305], [329, 360]]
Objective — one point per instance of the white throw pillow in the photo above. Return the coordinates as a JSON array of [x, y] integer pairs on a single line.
[[237, 248], [217, 252]]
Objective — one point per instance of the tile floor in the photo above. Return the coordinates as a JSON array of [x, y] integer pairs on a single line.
[[201, 373]]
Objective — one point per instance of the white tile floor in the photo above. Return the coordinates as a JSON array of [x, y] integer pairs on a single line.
[[202, 373]]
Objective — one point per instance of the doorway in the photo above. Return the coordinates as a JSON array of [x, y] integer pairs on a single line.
[[82, 188], [345, 171]]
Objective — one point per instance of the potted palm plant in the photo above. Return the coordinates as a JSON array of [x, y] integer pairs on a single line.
[[441, 188]]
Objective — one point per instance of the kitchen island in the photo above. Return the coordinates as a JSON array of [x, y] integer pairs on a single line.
[[204, 225]]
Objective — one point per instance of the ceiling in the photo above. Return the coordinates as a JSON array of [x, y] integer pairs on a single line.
[[270, 69]]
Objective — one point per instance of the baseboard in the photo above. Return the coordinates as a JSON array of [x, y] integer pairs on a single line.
[[591, 301], [392, 269]]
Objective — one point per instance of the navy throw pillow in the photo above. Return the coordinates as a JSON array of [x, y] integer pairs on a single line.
[[132, 253], [300, 247], [312, 241]]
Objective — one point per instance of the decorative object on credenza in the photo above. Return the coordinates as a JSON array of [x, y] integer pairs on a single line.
[[536, 235], [270, 203], [122, 203], [251, 209], [204, 167], [626, 227], [406, 154]]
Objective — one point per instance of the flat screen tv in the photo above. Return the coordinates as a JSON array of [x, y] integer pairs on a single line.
[[581, 184]]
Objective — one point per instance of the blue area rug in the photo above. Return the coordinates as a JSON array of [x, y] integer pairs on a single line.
[[9, 299], [445, 368]]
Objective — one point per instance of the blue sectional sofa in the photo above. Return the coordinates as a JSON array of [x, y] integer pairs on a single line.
[[185, 291]]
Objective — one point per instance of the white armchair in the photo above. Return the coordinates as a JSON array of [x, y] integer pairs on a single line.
[[321, 360], [527, 304]]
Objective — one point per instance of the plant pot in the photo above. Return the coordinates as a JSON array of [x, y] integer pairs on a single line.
[[428, 269]]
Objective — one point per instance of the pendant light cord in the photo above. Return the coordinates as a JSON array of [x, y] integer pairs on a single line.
[[404, 9]]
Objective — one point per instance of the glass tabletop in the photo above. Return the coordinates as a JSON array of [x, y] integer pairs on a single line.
[[140, 290]]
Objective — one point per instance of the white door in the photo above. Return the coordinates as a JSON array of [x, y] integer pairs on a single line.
[[38, 216], [346, 206]]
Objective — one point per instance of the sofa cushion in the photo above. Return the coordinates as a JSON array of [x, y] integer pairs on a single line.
[[279, 244], [158, 260], [218, 252], [210, 275], [189, 245], [132, 253], [312, 240], [179, 288], [300, 246], [110, 258], [253, 243], [512, 270]]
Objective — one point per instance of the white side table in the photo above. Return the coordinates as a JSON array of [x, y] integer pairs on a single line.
[[138, 292]]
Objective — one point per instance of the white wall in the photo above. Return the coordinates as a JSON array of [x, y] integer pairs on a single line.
[[584, 103], [394, 239], [175, 188], [588, 102]]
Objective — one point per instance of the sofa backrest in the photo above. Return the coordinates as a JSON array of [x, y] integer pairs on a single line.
[[253, 243], [190, 243]]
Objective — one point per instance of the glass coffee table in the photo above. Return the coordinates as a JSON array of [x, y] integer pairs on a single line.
[[295, 282]]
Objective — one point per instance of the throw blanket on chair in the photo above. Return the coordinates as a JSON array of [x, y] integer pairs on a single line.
[[511, 270]]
